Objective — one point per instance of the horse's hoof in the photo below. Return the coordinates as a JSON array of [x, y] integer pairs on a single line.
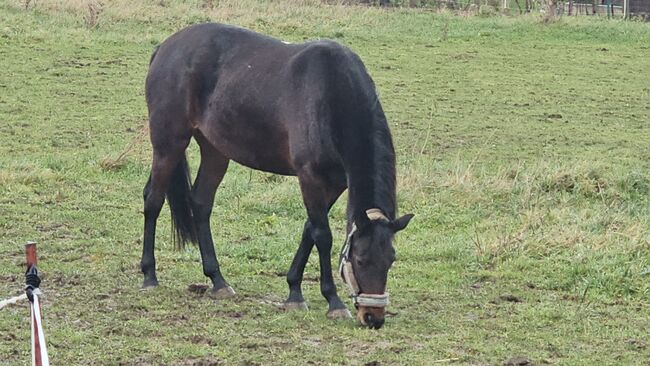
[[339, 314], [291, 306], [149, 284], [222, 293]]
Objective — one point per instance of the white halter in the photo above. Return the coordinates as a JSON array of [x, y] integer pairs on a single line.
[[347, 272]]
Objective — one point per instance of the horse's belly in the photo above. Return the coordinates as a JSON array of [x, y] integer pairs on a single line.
[[255, 145], [265, 163]]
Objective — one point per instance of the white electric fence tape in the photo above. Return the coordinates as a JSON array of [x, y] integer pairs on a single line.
[[39, 349]]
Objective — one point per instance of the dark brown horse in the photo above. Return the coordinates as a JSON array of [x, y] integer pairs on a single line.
[[308, 110]]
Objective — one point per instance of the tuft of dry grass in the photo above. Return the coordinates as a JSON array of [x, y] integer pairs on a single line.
[[243, 12], [117, 163], [91, 17]]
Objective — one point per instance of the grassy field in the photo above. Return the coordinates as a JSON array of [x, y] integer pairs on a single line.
[[523, 149]]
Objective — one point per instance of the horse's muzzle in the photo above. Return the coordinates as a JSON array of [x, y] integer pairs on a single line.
[[371, 317]]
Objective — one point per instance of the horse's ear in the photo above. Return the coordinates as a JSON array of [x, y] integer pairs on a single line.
[[401, 223]]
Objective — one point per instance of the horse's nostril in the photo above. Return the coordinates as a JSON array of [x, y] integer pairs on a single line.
[[372, 321], [369, 319]]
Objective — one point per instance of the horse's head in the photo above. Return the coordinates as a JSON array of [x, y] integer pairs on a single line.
[[367, 256]]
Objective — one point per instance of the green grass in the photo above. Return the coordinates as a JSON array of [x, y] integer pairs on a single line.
[[523, 150]]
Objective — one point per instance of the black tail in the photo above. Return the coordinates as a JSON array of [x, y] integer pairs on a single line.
[[153, 55], [180, 204]]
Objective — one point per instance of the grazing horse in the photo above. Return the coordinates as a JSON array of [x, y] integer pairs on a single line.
[[309, 110]]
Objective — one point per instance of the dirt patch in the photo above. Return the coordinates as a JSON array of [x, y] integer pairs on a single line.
[[312, 341], [198, 288], [462, 56], [510, 298], [232, 314], [506, 298], [179, 320], [198, 339], [60, 280], [273, 344], [141, 361], [518, 361], [636, 344], [209, 361], [8, 278], [9, 337]]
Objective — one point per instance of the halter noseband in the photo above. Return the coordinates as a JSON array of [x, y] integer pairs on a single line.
[[347, 272]]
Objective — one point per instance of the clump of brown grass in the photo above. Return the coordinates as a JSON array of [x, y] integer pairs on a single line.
[[91, 18], [588, 183], [112, 164], [208, 4]]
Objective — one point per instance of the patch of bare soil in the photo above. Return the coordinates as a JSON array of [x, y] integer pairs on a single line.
[[140, 361], [506, 298], [198, 288], [518, 361], [636, 344], [8, 278], [209, 361]]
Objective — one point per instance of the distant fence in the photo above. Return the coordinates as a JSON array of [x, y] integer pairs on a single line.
[[524, 5], [593, 7], [613, 8]]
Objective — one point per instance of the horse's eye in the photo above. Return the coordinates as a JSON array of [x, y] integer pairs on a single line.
[[358, 262]]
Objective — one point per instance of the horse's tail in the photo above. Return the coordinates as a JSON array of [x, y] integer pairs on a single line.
[[180, 204], [153, 55]]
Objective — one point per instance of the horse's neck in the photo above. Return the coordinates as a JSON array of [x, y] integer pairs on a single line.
[[371, 173]]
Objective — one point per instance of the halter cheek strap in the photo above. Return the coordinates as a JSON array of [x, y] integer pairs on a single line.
[[347, 272]]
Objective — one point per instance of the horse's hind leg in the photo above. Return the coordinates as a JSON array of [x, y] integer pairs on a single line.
[[211, 171], [163, 166], [170, 134]]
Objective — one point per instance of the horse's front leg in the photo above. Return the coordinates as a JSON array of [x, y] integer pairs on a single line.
[[319, 194], [296, 301], [322, 236]]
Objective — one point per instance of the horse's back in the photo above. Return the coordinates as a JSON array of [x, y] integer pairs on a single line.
[[261, 102], [192, 60]]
